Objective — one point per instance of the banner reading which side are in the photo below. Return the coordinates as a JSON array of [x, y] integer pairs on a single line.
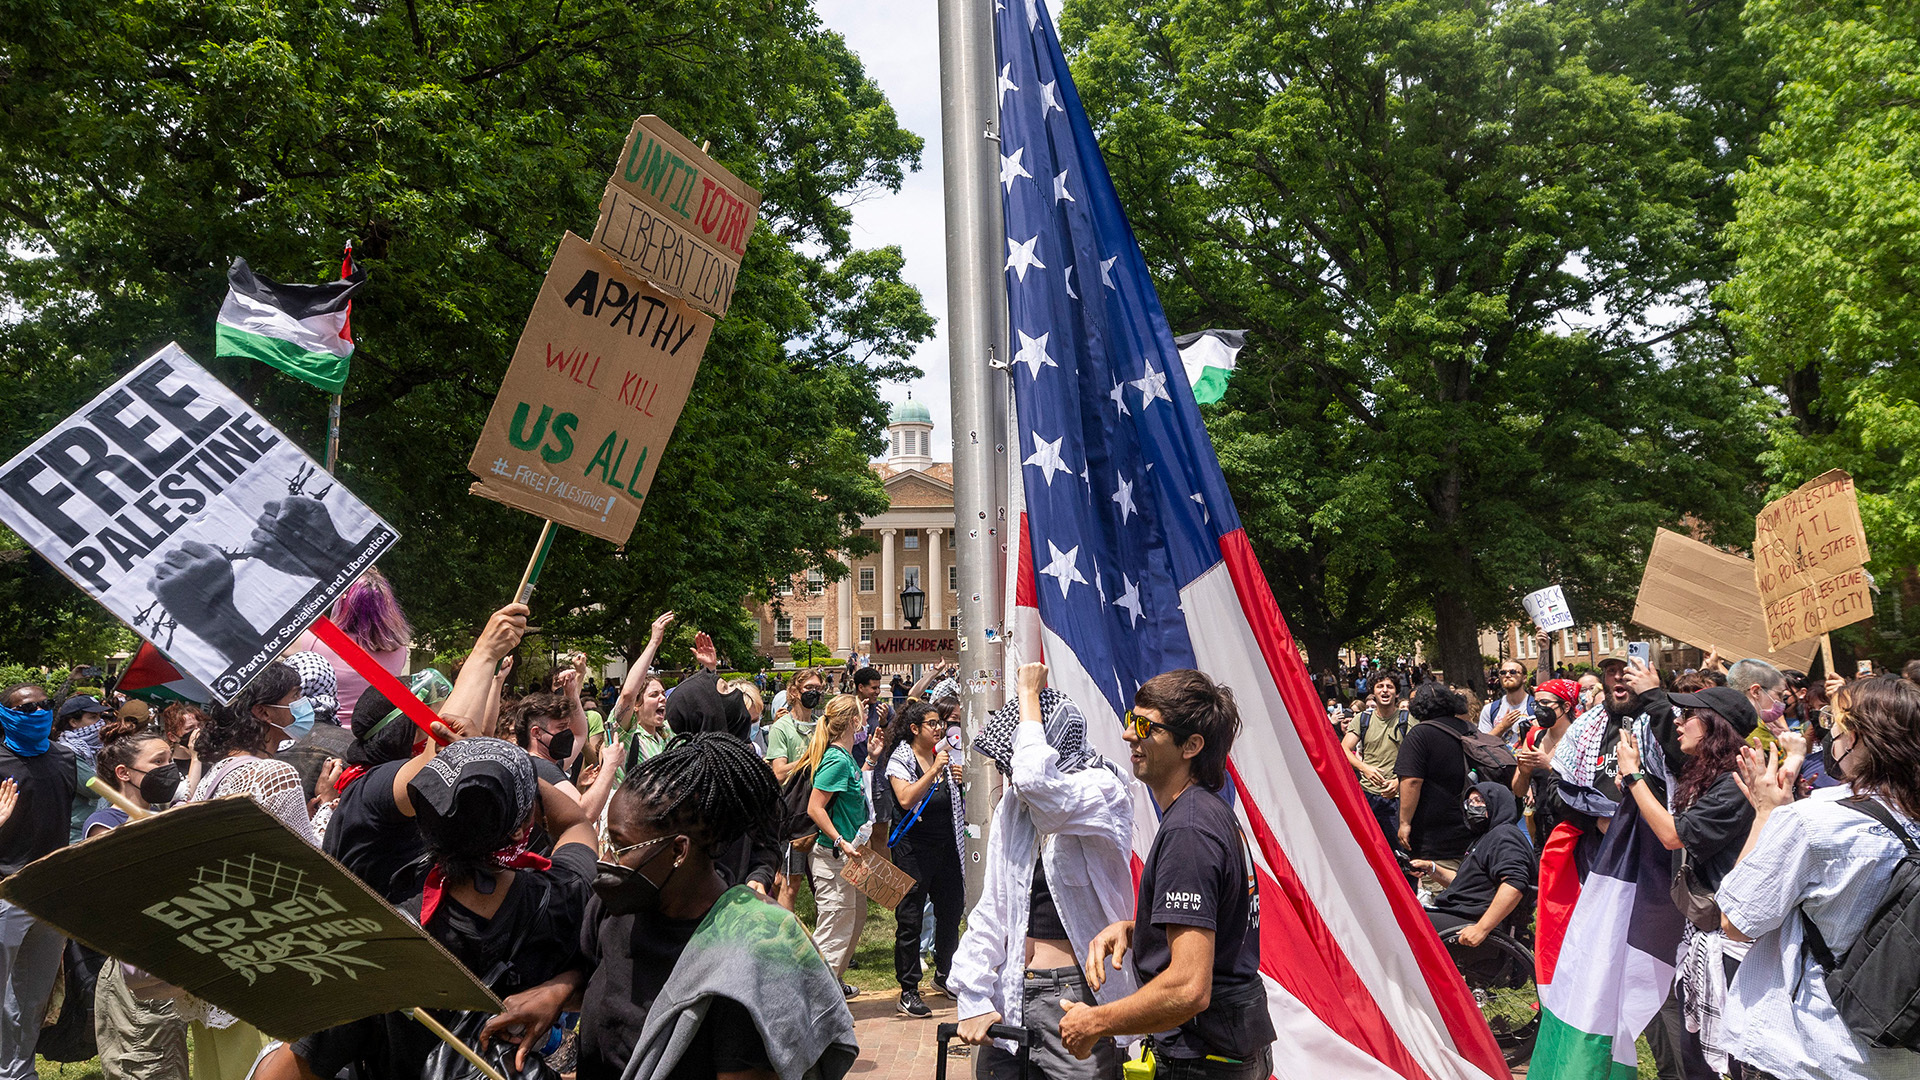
[[188, 515], [1810, 557], [595, 388], [221, 899], [915, 646]]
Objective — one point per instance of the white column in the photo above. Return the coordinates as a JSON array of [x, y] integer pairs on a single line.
[[889, 588], [846, 587], [936, 583]]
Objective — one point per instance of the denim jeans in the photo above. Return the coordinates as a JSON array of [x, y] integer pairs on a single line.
[[1043, 991]]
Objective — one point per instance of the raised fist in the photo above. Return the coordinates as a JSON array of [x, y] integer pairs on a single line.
[[195, 584], [295, 535]]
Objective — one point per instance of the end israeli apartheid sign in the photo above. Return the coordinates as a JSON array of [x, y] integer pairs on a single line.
[[221, 899], [595, 388], [179, 508], [676, 217], [915, 646]]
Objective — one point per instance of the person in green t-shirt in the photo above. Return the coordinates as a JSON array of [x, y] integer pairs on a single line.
[[786, 747], [838, 807], [640, 710]]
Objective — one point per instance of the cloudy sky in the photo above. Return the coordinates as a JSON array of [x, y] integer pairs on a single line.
[[899, 44]]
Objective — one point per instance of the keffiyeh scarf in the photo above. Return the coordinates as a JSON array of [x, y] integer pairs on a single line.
[[1066, 730]]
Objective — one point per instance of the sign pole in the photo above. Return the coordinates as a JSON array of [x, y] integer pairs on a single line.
[[1826, 651], [450, 1039], [125, 805], [333, 432], [527, 580]]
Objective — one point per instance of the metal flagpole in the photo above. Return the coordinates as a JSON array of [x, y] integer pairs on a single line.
[[976, 321], [333, 432]]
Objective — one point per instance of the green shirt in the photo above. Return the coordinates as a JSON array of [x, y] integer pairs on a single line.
[[847, 809], [787, 739]]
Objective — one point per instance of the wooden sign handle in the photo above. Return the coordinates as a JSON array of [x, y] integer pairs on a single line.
[[447, 1037], [527, 580], [1826, 651], [127, 806]]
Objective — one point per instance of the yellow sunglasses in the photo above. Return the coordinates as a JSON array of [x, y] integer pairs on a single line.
[[1141, 727]]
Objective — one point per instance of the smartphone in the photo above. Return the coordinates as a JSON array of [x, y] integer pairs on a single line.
[[1640, 650], [1863, 669]]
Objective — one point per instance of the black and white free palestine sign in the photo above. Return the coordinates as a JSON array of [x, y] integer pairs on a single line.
[[176, 505]]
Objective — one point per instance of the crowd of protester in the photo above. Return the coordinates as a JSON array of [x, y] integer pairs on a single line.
[[568, 842]]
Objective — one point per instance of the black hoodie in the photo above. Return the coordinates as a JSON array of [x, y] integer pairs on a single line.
[[1502, 854]]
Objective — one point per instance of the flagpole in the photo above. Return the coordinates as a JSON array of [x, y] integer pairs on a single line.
[[333, 432], [976, 329]]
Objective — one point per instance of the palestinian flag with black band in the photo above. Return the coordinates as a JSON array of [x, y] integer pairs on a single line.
[[300, 329]]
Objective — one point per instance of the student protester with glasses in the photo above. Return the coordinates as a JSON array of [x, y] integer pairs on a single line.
[[682, 976], [1709, 820], [1810, 879], [929, 817], [1195, 935], [1509, 716], [1057, 873]]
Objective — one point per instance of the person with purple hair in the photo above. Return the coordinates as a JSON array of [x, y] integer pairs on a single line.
[[370, 614]]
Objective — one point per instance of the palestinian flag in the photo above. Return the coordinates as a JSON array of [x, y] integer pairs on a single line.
[[152, 678], [300, 329], [1209, 359], [1605, 960]]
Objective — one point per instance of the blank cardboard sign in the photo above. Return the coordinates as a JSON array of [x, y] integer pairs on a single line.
[[1696, 593]]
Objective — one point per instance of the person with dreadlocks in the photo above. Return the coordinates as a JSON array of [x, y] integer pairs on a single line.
[[1057, 873], [510, 916], [685, 977]]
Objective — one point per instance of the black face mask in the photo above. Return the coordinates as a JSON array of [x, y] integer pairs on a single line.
[[1834, 767], [624, 890], [160, 785], [810, 699], [1476, 817], [560, 746]]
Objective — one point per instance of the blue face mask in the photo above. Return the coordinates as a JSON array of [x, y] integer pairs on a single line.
[[28, 731], [302, 724]]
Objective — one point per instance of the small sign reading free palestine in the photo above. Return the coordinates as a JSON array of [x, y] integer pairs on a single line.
[[595, 388]]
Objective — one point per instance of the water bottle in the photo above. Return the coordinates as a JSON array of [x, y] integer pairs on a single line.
[[866, 833]]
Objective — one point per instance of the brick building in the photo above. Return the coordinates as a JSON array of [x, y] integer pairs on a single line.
[[915, 544]]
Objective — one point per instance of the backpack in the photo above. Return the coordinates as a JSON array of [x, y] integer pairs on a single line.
[[1489, 758], [1400, 722], [795, 793], [1876, 986]]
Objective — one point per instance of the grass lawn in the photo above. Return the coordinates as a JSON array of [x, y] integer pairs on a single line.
[[872, 969]]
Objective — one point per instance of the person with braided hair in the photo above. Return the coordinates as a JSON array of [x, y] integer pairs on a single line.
[[685, 977]]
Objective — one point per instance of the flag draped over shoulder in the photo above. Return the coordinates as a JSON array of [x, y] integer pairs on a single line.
[[1209, 357], [1605, 973], [300, 329], [1129, 559]]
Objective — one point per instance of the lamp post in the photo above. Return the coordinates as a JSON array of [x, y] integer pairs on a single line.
[[913, 604]]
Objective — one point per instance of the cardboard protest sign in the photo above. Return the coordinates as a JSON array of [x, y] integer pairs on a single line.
[[1698, 594], [1809, 552], [176, 505], [916, 646], [676, 216], [1548, 608], [596, 385], [221, 899]]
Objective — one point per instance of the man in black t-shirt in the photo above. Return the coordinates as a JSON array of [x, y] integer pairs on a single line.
[[1432, 768], [44, 772], [1195, 934]]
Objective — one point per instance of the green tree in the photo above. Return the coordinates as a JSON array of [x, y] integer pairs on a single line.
[[144, 144], [1827, 298], [1455, 241]]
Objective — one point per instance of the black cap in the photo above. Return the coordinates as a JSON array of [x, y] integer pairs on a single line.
[[1729, 704], [81, 703]]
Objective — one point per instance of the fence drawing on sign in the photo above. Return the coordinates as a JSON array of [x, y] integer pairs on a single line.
[[258, 914]]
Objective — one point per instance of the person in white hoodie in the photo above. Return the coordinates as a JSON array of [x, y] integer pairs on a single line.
[[1057, 874]]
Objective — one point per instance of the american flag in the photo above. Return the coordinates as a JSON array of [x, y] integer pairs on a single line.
[[1129, 560]]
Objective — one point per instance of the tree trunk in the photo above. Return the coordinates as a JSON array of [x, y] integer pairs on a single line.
[[1457, 641], [1323, 654]]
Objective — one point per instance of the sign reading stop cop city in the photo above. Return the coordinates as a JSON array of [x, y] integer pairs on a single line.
[[615, 337], [1809, 560]]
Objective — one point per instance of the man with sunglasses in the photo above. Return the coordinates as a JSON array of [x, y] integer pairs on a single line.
[[1510, 715], [1195, 935]]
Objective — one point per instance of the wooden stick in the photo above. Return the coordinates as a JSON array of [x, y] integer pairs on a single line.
[[464, 1050], [1826, 651], [525, 592], [127, 806]]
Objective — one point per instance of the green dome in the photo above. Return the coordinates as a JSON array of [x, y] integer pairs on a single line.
[[910, 412]]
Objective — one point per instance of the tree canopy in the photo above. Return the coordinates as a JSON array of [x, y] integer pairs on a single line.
[[142, 145], [1471, 244]]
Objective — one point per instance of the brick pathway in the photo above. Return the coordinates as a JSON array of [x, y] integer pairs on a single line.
[[895, 1047]]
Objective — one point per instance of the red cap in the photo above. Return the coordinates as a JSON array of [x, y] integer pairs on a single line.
[[1566, 690]]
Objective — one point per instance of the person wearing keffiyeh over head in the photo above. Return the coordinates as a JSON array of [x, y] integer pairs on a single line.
[[1057, 873], [512, 917]]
